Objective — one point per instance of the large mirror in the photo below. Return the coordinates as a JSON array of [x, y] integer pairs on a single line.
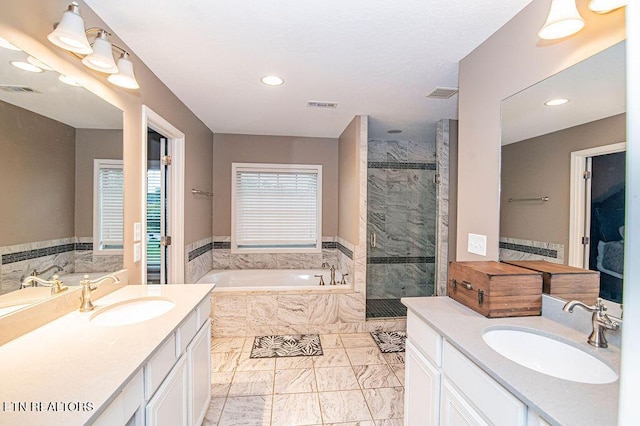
[[563, 170], [62, 182]]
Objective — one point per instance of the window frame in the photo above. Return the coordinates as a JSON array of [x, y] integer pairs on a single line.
[[99, 164], [274, 168]]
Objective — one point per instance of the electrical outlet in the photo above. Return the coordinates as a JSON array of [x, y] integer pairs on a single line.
[[137, 231], [477, 244], [137, 252]]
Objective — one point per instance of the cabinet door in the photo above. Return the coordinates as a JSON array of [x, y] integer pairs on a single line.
[[455, 410], [169, 405], [422, 389], [199, 371]]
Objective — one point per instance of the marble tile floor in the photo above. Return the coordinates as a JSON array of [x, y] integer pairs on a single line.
[[353, 383]]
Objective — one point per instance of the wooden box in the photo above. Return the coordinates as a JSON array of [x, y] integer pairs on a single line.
[[564, 282], [496, 289]]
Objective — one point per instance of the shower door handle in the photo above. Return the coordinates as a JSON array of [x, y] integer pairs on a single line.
[[372, 240]]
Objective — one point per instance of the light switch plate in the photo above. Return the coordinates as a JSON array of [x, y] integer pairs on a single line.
[[137, 252], [477, 244], [137, 231]]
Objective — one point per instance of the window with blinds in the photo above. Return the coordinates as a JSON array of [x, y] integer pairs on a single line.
[[276, 208], [108, 221]]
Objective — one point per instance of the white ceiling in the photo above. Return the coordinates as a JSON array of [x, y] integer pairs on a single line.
[[374, 57], [595, 87]]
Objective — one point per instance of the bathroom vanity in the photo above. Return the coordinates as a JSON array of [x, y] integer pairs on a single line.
[[142, 357], [453, 377]]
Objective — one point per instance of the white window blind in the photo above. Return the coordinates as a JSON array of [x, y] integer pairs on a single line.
[[277, 207], [109, 199], [153, 219]]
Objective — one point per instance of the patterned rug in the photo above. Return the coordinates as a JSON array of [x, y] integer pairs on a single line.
[[389, 341], [286, 346]]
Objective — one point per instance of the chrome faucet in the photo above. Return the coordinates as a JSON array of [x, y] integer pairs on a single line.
[[333, 275], [56, 285], [88, 287], [599, 320]]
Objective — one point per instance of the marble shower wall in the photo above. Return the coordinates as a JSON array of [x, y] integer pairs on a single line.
[[198, 259], [401, 213], [518, 249]]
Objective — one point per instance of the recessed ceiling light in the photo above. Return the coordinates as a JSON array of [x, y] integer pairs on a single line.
[[4, 43], [38, 63], [556, 102], [393, 131], [272, 80], [68, 80], [26, 66]]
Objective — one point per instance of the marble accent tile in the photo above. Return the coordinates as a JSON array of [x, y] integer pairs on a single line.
[[294, 362], [377, 150], [245, 363], [253, 261], [323, 308], [336, 379], [343, 406], [220, 383], [397, 150], [229, 310], [296, 409], [359, 340], [293, 309], [107, 263], [213, 413], [224, 361], [365, 356], [329, 341], [83, 261], [221, 259], [298, 260], [247, 383], [332, 358], [262, 309], [399, 371], [295, 381], [385, 403], [351, 307], [227, 344], [375, 376], [394, 358], [198, 267], [247, 410]]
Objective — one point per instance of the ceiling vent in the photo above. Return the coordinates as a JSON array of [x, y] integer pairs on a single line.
[[17, 89], [443, 92], [322, 104]]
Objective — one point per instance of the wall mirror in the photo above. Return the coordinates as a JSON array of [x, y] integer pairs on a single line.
[[563, 170], [58, 142]]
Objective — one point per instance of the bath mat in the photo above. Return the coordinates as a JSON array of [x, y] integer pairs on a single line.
[[389, 341], [286, 346]]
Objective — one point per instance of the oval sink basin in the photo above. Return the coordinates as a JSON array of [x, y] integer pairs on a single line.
[[549, 356], [132, 311]]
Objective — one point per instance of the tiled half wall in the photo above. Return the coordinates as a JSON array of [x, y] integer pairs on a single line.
[[518, 249]]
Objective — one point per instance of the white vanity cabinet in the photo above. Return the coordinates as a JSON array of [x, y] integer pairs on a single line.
[[443, 387]]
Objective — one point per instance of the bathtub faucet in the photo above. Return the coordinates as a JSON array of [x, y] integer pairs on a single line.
[[333, 275]]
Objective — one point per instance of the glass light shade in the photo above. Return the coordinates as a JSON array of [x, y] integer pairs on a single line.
[[272, 80], [69, 34], [4, 43], [556, 102], [102, 57], [124, 77], [38, 63], [68, 80], [606, 6], [563, 20], [26, 66]]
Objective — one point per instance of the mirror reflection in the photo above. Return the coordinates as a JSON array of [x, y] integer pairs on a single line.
[[62, 183], [563, 170]]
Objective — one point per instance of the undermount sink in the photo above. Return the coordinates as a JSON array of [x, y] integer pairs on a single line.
[[132, 311], [549, 356]]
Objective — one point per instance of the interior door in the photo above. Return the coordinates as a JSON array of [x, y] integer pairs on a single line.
[[158, 196]]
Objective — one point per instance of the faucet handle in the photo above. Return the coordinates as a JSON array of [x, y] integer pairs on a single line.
[[343, 281], [321, 279]]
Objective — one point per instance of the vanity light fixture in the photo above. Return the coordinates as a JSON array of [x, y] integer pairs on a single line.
[[606, 6], [556, 102], [4, 43], [68, 80], [26, 66], [272, 80], [563, 20], [38, 63], [71, 35]]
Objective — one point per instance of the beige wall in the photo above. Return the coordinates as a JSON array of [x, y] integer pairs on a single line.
[[36, 176], [91, 144], [229, 148], [509, 61], [27, 24], [453, 188], [541, 166], [349, 189]]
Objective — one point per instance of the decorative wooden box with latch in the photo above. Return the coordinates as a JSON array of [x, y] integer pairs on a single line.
[[496, 289]]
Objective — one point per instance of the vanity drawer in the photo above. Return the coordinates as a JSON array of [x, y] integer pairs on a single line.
[[185, 333], [497, 404], [204, 311], [159, 366], [425, 338]]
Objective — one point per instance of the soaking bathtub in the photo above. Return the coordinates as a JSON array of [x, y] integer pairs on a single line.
[[270, 279]]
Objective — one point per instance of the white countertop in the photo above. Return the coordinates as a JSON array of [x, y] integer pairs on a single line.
[[74, 364], [560, 402]]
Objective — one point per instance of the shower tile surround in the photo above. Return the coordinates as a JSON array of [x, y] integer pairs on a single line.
[[518, 249], [402, 214], [74, 254]]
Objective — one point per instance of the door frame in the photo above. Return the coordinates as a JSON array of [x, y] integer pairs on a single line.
[[578, 198], [176, 140]]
